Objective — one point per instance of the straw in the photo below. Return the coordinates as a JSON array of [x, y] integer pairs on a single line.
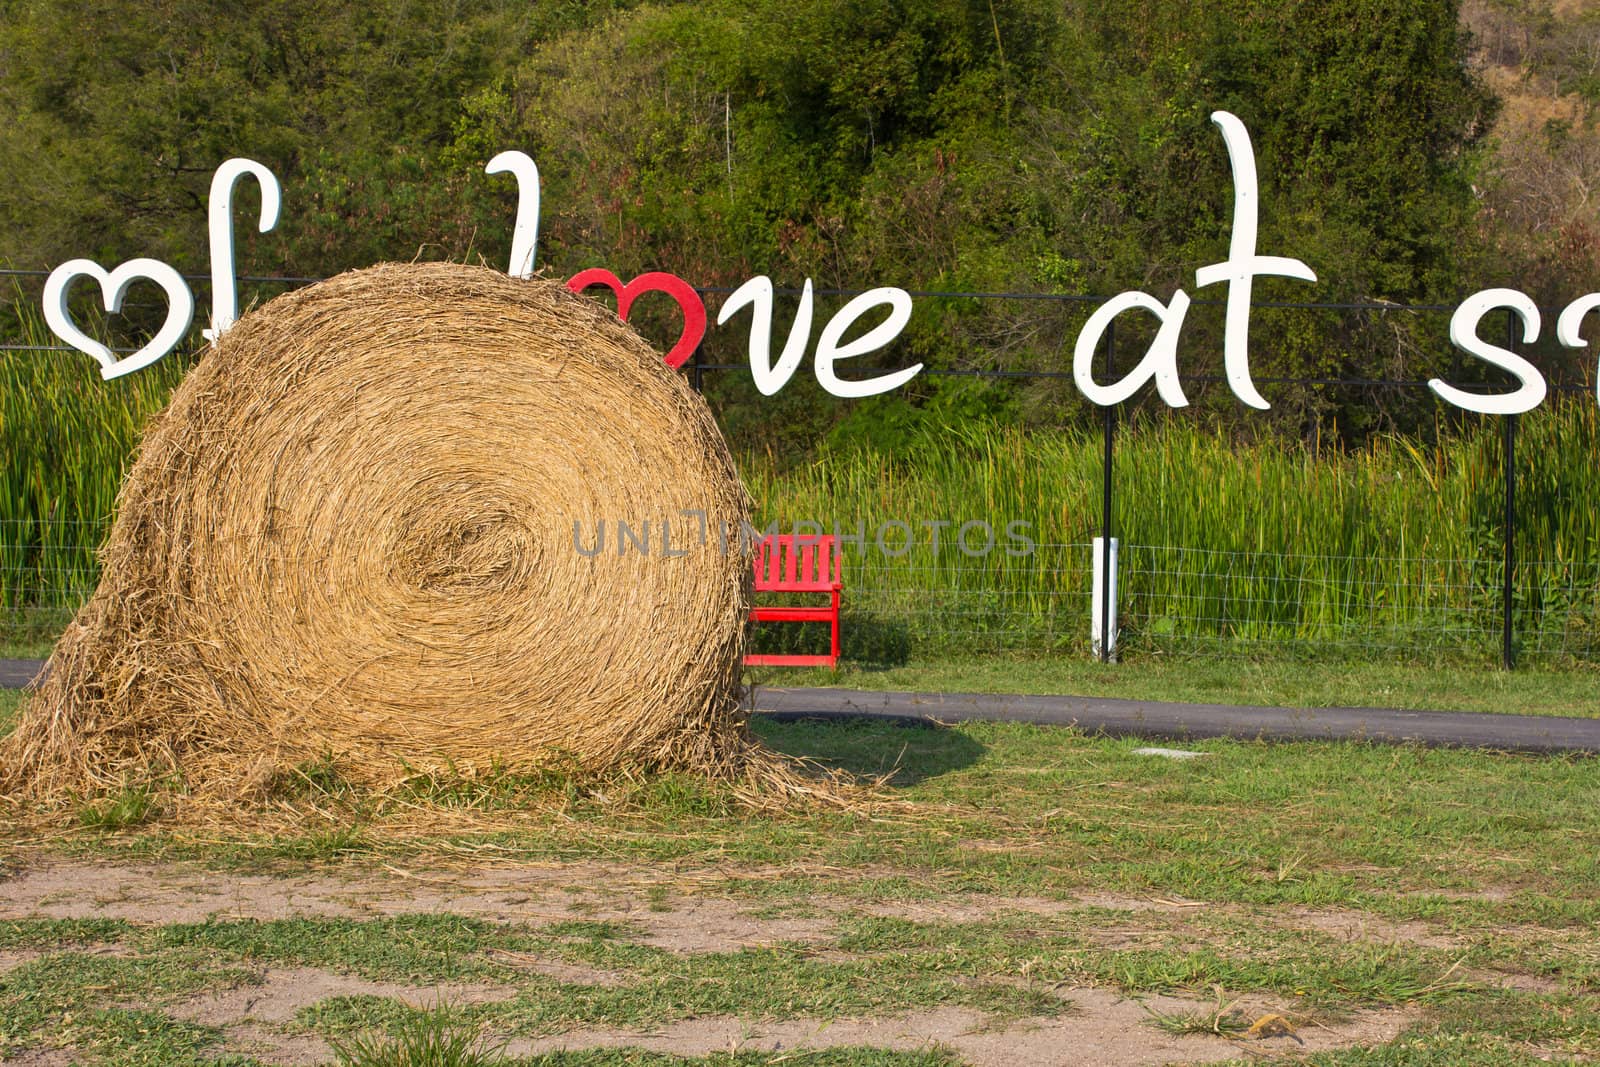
[[351, 537]]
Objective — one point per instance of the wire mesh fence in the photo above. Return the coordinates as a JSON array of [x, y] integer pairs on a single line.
[[1186, 600], [935, 600], [1223, 601]]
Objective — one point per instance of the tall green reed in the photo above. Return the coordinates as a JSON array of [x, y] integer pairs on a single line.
[[1388, 549], [67, 437], [1391, 548]]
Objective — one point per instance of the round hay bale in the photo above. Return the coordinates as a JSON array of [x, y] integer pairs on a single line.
[[352, 534]]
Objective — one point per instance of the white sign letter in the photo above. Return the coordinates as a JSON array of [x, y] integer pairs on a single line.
[[113, 285], [1464, 335], [829, 348], [224, 295], [1571, 318], [1243, 264], [525, 234], [1160, 362], [757, 292]]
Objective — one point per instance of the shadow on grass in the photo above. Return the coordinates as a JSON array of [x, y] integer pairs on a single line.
[[30, 633], [912, 749]]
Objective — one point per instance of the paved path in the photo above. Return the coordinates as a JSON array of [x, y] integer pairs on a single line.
[[1149, 718], [16, 673]]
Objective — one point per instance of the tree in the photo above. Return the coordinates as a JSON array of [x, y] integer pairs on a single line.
[[114, 115], [939, 144]]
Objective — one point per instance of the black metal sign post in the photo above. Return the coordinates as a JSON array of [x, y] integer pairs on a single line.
[[1508, 652], [1105, 501]]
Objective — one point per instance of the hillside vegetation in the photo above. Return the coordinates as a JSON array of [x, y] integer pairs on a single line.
[[1409, 151]]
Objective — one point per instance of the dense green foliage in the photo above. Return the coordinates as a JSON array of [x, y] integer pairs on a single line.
[[132, 106], [945, 145], [67, 438], [948, 145]]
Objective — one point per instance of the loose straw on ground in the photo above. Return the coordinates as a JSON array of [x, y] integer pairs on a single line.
[[352, 536]]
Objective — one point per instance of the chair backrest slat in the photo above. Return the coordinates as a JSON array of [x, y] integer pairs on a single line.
[[795, 563]]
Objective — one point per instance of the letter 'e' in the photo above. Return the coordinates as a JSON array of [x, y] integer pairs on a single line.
[[830, 349]]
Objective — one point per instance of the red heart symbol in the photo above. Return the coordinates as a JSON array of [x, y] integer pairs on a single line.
[[694, 309]]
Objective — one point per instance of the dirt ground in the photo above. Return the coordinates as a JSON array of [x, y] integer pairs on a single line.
[[1101, 1027]]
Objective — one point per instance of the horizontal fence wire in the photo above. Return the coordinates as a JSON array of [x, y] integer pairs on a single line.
[[937, 600], [697, 366], [295, 281]]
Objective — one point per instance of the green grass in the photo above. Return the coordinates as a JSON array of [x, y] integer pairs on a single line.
[[83, 1000], [420, 949], [1010, 967], [32, 637], [1271, 683], [68, 436], [1225, 1020], [1492, 859], [1499, 1028], [1020, 810], [52, 933], [130, 806], [10, 701], [435, 1038], [1267, 823]]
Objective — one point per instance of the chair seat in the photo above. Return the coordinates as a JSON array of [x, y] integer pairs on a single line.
[[791, 613], [758, 660]]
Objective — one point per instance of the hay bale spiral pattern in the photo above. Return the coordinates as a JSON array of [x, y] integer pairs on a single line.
[[352, 533]]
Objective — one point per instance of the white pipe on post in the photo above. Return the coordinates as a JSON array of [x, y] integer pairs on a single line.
[[1101, 612]]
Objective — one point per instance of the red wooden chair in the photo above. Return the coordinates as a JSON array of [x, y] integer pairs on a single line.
[[796, 563]]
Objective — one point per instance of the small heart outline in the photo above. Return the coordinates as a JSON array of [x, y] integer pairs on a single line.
[[113, 287], [689, 302]]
